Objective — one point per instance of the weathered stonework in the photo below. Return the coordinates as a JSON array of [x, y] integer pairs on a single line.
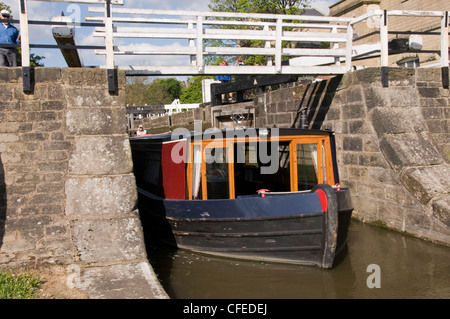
[[393, 143], [67, 190]]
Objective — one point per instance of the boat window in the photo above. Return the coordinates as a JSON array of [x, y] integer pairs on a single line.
[[307, 166], [324, 166], [217, 173], [248, 176], [196, 172]]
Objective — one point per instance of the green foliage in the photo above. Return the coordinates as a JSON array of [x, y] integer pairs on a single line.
[[291, 7], [142, 91], [171, 85], [136, 91], [17, 286], [260, 6], [193, 93]]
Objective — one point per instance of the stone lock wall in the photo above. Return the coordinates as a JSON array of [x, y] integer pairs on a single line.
[[393, 143], [67, 190]]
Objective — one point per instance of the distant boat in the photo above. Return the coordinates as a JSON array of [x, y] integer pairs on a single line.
[[260, 194]]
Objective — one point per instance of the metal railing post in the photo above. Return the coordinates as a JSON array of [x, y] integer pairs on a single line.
[[444, 49], [25, 47]]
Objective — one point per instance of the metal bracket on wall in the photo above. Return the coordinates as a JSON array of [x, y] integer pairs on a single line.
[[27, 79], [445, 81], [112, 81], [385, 76]]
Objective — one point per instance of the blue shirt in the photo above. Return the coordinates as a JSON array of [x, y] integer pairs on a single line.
[[9, 34]]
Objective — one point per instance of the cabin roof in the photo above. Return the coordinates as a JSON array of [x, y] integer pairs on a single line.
[[238, 132]]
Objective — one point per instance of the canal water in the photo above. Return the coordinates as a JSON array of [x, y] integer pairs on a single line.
[[379, 264]]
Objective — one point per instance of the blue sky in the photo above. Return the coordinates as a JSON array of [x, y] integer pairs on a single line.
[[41, 10]]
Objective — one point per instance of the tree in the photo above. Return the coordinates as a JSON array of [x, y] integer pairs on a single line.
[[292, 7], [35, 60], [141, 91], [193, 93], [260, 6], [137, 91]]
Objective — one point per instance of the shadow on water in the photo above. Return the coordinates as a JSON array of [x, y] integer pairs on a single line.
[[2, 202], [408, 268]]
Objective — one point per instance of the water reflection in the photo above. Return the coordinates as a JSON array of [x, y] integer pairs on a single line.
[[410, 268]]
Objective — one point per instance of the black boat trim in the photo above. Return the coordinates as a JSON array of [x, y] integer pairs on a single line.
[[245, 249], [253, 234], [238, 219]]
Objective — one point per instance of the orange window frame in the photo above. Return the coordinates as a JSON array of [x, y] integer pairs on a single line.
[[293, 142]]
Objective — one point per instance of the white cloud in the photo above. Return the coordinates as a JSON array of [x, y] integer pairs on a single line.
[[41, 10], [323, 5]]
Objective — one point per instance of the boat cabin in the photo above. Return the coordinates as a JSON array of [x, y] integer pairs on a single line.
[[231, 163]]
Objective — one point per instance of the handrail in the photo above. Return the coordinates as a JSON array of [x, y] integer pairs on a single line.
[[196, 27]]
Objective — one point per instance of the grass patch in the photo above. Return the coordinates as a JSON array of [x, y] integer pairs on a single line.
[[14, 286]]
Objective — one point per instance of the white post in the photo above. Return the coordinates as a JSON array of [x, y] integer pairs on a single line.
[[384, 39], [199, 44], [349, 48], [24, 35], [192, 44], [109, 44], [335, 46], [278, 45], [444, 40], [267, 46]]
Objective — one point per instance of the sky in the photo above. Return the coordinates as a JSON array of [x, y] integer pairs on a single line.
[[45, 10]]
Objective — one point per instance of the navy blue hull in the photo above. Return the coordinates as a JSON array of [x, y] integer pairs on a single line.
[[288, 228]]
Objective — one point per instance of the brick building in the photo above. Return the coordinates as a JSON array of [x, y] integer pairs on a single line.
[[428, 29]]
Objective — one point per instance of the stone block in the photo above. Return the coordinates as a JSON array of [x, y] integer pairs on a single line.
[[429, 92], [84, 77], [353, 144], [397, 120], [43, 116], [137, 279], [10, 75], [429, 75], [403, 97], [46, 74], [101, 155], [9, 105], [77, 97], [100, 195], [376, 97], [353, 111], [404, 150], [441, 210], [401, 77], [96, 121], [426, 183], [52, 105], [108, 240]]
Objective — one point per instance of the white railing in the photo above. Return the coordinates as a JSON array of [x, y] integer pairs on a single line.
[[177, 107], [195, 33], [276, 32]]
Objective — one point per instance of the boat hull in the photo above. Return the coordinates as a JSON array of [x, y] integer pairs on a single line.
[[287, 228]]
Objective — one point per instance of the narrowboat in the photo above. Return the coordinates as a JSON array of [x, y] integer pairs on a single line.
[[260, 194]]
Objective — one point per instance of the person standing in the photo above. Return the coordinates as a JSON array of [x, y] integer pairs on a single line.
[[9, 35], [225, 79]]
